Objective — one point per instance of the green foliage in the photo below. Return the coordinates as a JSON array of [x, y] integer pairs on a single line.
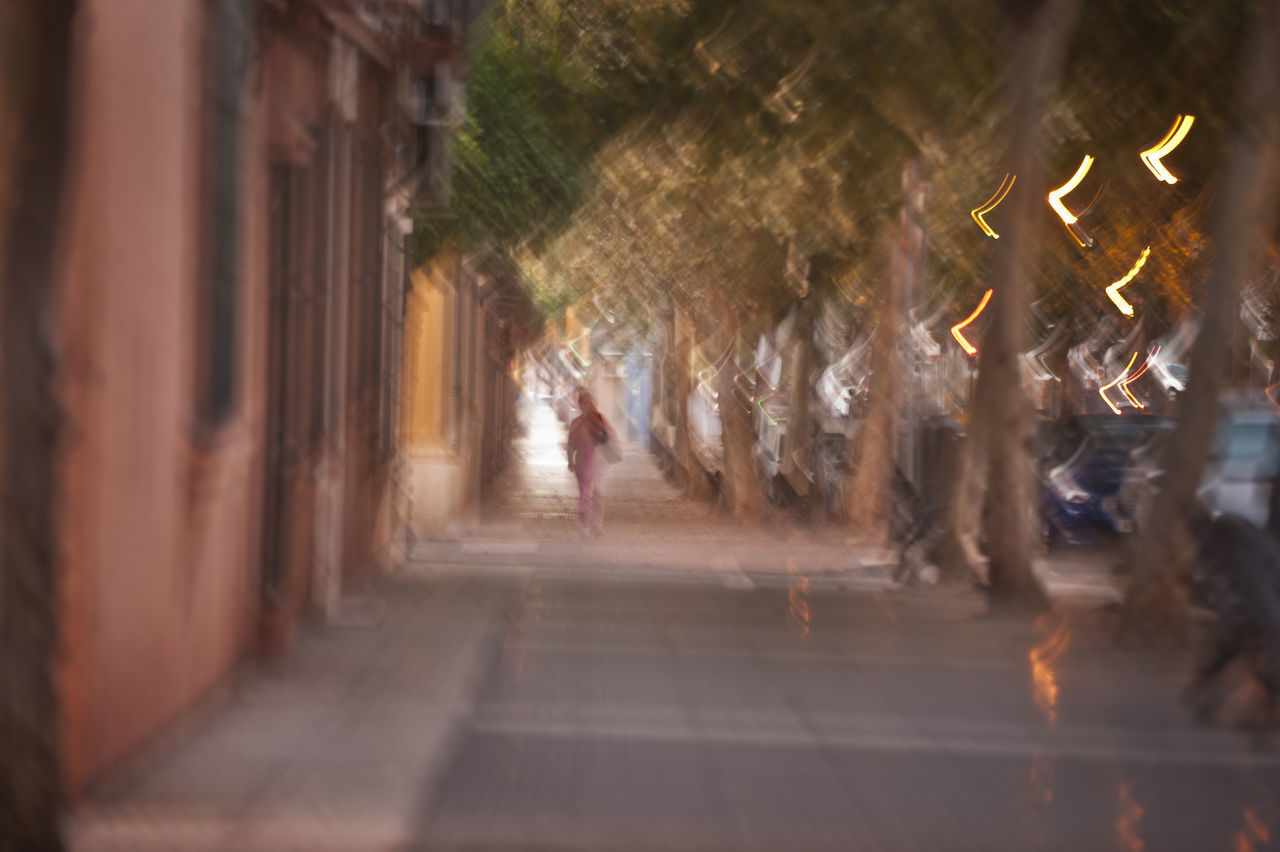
[[549, 82], [676, 149]]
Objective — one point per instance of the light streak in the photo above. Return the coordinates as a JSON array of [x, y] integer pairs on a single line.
[[1152, 156], [1055, 197], [1270, 394], [1102, 391], [1114, 290], [581, 360], [1124, 385], [960, 326], [978, 212]]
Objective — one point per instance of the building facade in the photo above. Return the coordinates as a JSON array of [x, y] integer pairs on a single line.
[[464, 325], [230, 322]]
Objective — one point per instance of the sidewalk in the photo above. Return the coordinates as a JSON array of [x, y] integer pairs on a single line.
[[525, 712], [651, 529], [328, 751], [677, 633]]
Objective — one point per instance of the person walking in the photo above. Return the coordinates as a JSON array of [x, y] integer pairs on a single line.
[[587, 433], [1242, 566]]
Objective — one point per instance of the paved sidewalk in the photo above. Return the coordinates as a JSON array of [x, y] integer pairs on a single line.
[[682, 683], [327, 751], [651, 529], [528, 711]]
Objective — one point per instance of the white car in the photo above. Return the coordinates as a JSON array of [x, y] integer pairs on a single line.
[[1243, 462], [1171, 375]]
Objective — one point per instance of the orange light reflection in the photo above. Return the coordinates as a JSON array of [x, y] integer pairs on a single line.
[[1255, 831], [1128, 821], [798, 597], [978, 212], [960, 326], [1271, 395], [1124, 385], [1102, 391], [1042, 658]]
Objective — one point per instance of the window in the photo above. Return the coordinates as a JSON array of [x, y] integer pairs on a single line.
[[366, 288], [293, 314], [321, 288], [396, 276], [229, 36]]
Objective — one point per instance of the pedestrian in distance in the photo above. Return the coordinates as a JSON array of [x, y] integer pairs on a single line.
[[589, 433]]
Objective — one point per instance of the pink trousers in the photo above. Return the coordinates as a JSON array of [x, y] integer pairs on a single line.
[[590, 473]]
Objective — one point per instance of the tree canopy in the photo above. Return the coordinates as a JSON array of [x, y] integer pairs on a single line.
[[652, 149]]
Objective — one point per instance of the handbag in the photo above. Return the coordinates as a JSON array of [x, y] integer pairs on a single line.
[[611, 450]]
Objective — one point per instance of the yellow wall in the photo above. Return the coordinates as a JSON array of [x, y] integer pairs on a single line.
[[427, 347]]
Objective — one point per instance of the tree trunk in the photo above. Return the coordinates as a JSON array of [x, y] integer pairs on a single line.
[[955, 551], [693, 479], [875, 447], [743, 493], [799, 415], [1156, 600], [1040, 32], [35, 82]]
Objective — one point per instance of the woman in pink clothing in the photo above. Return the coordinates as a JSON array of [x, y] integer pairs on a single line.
[[587, 432]]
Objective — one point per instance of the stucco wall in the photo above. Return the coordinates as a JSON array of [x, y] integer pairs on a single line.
[[160, 538]]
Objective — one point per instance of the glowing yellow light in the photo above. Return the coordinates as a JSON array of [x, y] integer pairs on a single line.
[[1114, 290], [1152, 156], [1055, 197], [960, 326], [978, 212], [1102, 391]]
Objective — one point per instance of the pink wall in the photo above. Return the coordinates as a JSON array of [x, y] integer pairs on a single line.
[[161, 538]]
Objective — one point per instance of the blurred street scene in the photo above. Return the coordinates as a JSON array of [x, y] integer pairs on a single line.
[[603, 424]]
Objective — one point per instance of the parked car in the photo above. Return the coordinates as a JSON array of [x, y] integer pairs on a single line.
[[1059, 439], [1085, 463]]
